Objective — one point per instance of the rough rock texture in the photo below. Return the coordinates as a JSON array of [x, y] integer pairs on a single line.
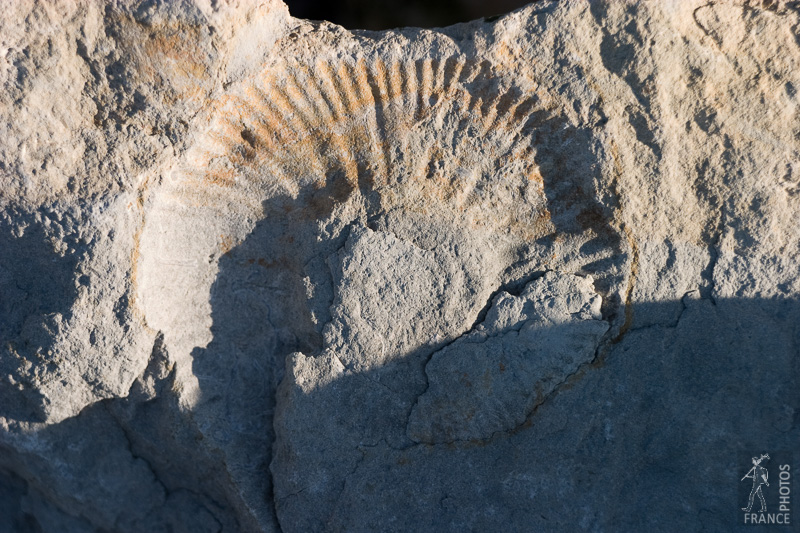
[[538, 273]]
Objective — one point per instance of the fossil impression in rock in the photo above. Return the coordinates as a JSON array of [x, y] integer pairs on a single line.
[[447, 140], [425, 132], [445, 153]]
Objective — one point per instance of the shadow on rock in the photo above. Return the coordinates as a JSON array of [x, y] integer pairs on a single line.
[[647, 435]]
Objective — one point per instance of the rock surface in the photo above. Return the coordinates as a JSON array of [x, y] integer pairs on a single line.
[[257, 273]]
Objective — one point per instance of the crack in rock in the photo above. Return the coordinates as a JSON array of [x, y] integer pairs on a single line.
[[490, 379]]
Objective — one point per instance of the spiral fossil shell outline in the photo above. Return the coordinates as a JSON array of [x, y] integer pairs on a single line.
[[301, 146], [422, 133]]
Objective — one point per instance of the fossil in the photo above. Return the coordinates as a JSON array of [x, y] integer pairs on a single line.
[[422, 134]]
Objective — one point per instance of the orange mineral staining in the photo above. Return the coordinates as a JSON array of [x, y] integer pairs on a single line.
[[426, 134]]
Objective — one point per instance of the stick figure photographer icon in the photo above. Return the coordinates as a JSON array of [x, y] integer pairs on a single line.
[[760, 476]]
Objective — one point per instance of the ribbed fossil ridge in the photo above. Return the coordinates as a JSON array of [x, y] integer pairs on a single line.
[[334, 127]]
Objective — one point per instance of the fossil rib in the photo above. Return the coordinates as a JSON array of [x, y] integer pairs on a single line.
[[351, 125]]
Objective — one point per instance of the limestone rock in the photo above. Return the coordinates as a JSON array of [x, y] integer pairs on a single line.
[[493, 378], [259, 273]]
